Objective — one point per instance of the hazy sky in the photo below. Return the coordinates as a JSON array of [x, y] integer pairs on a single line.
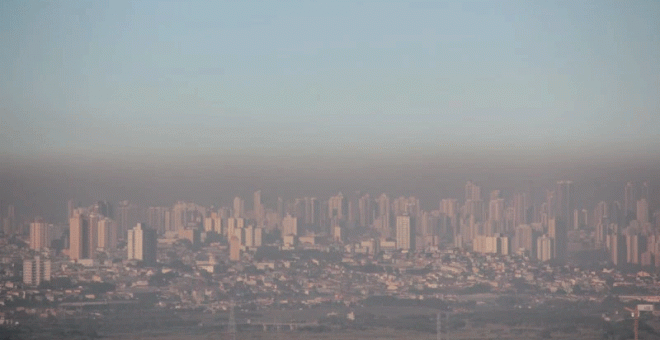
[[115, 77]]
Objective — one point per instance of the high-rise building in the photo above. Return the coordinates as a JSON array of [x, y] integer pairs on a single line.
[[142, 244], [365, 211], [39, 235], [525, 240], [545, 248], [312, 208], [239, 207], [79, 237], [234, 224], [257, 206], [643, 211], [36, 271], [405, 232], [472, 191], [107, 234], [157, 219], [384, 214], [337, 206], [557, 230], [126, 217], [9, 221], [521, 206], [565, 203], [629, 199], [289, 226]]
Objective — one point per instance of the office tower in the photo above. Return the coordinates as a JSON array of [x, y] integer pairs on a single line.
[[524, 240], [646, 191], [39, 235], [239, 207], [635, 246], [565, 203], [472, 191], [36, 271], [629, 199], [520, 209], [78, 237], [126, 217], [93, 236], [234, 249], [449, 208], [142, 244], [405, 232], [365, 211], [157, 219], [107, 234], [496, 214], [337, 206], [384, 213], [257, 206], [289, 226], [616, 248], [601, 221], [643, 211], [352, 208], [9, 221], [545, 248], [297, 209], [557, 230], [312, 211], [474, 208]]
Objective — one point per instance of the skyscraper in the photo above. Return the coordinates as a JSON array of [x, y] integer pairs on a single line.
[[141, 244], [289, 225], [258, 207], [39, 235], [78, 237], [643, 211], [405, 232], [558, 231], [565, 204], [239, 207], [337, 206], [629, 199], [472, 191], [107, 234]]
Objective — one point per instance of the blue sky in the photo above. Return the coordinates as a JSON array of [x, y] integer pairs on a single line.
[[338, 77]]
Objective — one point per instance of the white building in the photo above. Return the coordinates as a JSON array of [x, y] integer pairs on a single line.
[[142, 244], [36, 271]]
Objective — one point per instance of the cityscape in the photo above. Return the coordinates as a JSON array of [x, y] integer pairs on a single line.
[[345, 262], [339, 170]]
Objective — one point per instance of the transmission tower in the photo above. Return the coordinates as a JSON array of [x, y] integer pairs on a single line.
[[232, 321]]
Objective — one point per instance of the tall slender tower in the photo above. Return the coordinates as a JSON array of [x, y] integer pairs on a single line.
[[565, 203], [629, 200], [78, 237]]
